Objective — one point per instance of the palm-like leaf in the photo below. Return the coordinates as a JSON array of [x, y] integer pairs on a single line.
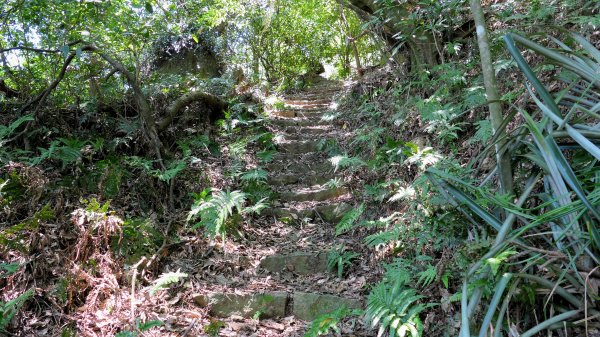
[[568, 199]]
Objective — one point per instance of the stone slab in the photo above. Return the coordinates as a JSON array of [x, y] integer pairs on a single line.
[[333, 212], [270, 304], [299, 147], [308, 306], [314, 194], [301, 167], [302, 263]]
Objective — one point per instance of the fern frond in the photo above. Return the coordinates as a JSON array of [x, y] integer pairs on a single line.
[[266, 156], [338, 258], [329, 321], [349, 219], [382, 238], [9, 309], [257, 207], [215, 211], [6, 131], [427, 276], [165, 280], [170, 173], [394, 308], [256, 175], [344, 161]]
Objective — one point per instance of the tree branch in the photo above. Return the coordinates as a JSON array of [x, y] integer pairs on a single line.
[[39, 50], [185, 100]]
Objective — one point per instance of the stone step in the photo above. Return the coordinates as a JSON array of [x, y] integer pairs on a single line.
[[300, 210], [295, 178], [299, 122], [302, 167], [301, 263], [270, 304], [308, 306], [313, 114], [308, 106], [314, 95], [302, 305], [306, 101], [299, 147], [313, 193], [308, 130]]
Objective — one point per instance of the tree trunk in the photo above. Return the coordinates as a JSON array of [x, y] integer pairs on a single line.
[[491, 90]]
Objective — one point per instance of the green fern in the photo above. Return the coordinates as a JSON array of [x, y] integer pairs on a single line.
[[335, 182], [394, 308], [398, 271], [427, 276], [344, 161], [220, 212], [329, 321], [266, 156], [174, 168], [165, 280], [338, 259], [6, 131], [382, 238], [9, 309], [65, 150], [349, 219], [256, 208], [216, 210], [256, 175]]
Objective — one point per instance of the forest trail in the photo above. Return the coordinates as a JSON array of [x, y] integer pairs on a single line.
[[289, 281]]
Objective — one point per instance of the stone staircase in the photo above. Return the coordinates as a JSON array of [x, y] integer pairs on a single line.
[[298, 175]]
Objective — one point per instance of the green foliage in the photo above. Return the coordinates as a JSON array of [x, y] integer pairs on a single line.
[[254, 176], [346, 162], [165, 280], [213, 328], [9, 269], [484, 132], [266, 156], [279, 43], [9, 309], [427, 276], [139, 237], [330, 321], [395, 309], [141, 327], [6, 132], [215, 210], [64, 150], [335, 182], [338, 259], [172, 169], [219, 213], [349, 219], [12, 236], [566, 220]]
